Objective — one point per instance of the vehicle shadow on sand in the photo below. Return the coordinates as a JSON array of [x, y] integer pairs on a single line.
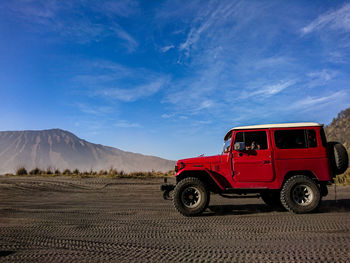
[[240, 209], [327, 206], [341, 205]]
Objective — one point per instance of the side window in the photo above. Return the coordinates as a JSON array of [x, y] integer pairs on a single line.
[[239, 137], [290, 139], [311, 138], [254, 140]]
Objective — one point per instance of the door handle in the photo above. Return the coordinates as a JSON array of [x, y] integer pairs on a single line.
[[266, 162]]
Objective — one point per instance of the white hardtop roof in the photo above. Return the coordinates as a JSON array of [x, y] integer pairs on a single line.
[[277, 125]]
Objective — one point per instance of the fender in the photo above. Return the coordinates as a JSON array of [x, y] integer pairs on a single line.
[[217, 178]]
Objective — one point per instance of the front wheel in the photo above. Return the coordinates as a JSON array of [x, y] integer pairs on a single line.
[[300, 194], [191, 197]]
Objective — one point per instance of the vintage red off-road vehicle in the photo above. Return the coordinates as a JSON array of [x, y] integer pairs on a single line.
[[287, 165]]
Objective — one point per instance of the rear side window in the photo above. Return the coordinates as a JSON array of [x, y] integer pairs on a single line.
[[254, 140], [311, 138], [290, 139], [295, 139]]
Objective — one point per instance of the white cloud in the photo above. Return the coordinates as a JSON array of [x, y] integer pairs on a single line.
[[131, 43], [116, 82], [167, 116], [309, 102], [321, 78], [338, 19], [271, 62], [166, 48], [204, 105], [94, 110], [127, 124], [133, 93], [77, 21], [208, 22], [123, 8], [323, 75], [269, 90]]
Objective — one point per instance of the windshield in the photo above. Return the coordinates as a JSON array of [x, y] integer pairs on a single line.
[[226, 147]]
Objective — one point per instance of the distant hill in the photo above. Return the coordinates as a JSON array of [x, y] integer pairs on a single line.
[[63, 150], [339, 129]]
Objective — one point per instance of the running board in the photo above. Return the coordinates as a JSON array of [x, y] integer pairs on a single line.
[[240, 196], [245, 190]]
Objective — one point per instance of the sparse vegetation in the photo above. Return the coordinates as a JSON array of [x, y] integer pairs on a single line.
[[66, 172], [111, 173], [35, 171], [343, 179], [21, 171]]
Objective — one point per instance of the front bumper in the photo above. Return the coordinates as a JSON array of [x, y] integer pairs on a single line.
[[167, 191], [167, 187]]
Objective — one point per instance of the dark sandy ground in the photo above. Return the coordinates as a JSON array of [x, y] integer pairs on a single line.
[[126, 220]]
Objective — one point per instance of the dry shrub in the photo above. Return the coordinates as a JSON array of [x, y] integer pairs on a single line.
[[21, 171], [66, 172], [343, 179], [35, 171]]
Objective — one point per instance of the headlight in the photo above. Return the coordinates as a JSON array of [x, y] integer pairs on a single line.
[[179, 167]]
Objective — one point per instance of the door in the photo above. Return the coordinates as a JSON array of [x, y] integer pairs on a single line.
[[254, 164]]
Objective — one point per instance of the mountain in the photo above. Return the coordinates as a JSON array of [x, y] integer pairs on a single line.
[[339, 129], [63, 150]]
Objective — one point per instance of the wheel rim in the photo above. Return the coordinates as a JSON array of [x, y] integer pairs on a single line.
[[191, 197], [302, 194]]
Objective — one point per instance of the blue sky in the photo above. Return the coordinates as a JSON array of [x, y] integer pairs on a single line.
[[169, 78]]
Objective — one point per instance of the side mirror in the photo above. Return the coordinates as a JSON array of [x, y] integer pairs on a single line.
[[239, 146]]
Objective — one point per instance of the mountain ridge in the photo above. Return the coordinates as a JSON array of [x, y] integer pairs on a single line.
[[339, 129], [57, 148]]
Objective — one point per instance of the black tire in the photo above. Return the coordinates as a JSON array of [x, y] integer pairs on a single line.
[[339, 157], [191, 197], [300, 195], [168, 195], [272, 199]]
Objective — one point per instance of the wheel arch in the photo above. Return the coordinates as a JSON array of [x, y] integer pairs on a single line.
[[202, 175], [306, 173]]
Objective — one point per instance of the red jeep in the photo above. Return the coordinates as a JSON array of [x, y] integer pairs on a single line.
[[286, 164]]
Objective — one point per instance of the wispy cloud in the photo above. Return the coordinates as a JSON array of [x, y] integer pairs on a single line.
[[94, 109], [166, 48], [269, 90], [320, 78], [324, 75], [127, 124], [131, 43], [113, 81], [134, 93], [208, 19], [336, 19], [310, 102], [167, 116], [123, 8], [70, 19]]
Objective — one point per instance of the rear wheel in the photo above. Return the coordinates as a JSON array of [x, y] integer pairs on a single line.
[[300, 194], [191, 197]]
